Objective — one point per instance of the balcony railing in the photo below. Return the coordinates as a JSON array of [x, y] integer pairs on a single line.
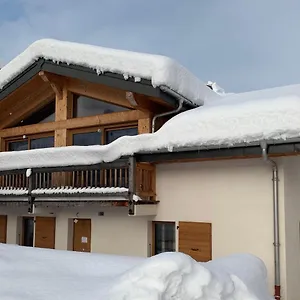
[[123, 177]]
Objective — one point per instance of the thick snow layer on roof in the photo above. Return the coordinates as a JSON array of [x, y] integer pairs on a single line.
[[32, 274], [272, 114], [161, 70]]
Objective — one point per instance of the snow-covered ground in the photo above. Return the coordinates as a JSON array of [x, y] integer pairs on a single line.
[[42, 274]]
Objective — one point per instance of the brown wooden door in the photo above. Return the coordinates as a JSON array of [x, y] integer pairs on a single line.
[[195, 240], [45, 232], [3, 228], [82, 235]]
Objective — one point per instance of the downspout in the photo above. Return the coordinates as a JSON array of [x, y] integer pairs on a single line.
[[277, 284], [178, 109], [177, 96]]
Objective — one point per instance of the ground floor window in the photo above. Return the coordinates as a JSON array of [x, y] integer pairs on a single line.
[[164, 237]]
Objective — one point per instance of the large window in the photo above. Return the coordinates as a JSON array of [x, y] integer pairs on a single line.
[[44, 115], [95, 136], [164, 237], [28, 143], [85, 107]]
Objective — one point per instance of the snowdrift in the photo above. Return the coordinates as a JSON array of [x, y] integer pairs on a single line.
[[34, 274]]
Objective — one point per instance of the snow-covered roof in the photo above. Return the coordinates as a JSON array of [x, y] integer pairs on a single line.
[[272, 114], [33, 273], [161, 70]]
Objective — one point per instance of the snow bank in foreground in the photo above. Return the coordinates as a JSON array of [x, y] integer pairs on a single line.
[[240, 118], [33, 274], [161, 70]]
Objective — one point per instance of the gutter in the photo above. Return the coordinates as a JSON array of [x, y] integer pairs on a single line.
[[177, 110], [181, 101], [275, 179]]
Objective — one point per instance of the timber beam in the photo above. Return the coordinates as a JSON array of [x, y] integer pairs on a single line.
[[54, 83]]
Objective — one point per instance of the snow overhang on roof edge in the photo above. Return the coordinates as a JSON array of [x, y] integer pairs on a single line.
[[133, 67]]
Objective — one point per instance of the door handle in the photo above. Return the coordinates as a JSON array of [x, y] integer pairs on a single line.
[[195, 249]]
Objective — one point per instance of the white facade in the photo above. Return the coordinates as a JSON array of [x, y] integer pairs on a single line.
[[235, 196]]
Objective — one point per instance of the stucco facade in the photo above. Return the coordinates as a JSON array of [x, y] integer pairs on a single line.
[[235, 196]]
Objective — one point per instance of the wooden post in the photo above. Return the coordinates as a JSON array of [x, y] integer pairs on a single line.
[[144, 125], [63, 112], [132, 184], [30, 177]]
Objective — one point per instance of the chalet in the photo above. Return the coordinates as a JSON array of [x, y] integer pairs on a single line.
[[127, 153]]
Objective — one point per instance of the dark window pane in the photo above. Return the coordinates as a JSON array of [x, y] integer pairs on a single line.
[[112, 135], [164, 237], [84, 107], [44, 142], [44, 115], [87, 138], [18, 146]]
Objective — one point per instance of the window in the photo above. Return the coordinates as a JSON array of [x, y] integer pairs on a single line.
[[112, 135], [44, 115], [18, 146], [87, 138], [163, 237], [43, 142], [85, 107], [95, 136], [28, 143]]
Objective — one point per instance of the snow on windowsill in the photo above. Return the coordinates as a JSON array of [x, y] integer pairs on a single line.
[[161, 70]]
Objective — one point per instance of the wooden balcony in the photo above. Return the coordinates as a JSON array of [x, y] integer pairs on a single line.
[[134, 182]]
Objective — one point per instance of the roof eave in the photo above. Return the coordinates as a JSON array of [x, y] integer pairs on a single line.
[[84, 73], [275, 148]]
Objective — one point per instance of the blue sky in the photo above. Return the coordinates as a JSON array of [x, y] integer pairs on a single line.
[[240, 44]]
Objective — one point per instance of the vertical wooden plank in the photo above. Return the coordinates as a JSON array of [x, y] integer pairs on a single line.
[[63, 111], [64, 106], [195, 239], [132, 184]]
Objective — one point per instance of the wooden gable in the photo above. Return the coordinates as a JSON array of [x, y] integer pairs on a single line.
[[25, 102]]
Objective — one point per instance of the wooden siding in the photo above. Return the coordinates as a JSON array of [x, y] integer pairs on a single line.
[[195, 239]]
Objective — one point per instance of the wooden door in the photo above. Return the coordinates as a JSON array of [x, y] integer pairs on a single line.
[[82, 235], [3, 229], [195, 239], [45, 232]]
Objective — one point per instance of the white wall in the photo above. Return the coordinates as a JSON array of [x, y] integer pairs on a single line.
[[113, 233], [292, 225], [234, 195]]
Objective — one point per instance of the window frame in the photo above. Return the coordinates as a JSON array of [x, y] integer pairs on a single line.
[[154, 237], [28, 138], [103, 130], [75, 106]]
